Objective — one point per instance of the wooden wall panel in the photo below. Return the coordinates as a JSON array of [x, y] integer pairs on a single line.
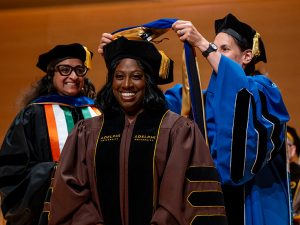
[[26, 33]]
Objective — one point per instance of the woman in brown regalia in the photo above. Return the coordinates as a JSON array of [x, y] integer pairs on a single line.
[[138, 163]]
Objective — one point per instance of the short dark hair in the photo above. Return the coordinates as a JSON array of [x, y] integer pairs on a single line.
[[250, 67], [244, 36]]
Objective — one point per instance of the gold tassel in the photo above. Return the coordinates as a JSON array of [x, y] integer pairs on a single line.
[[88, 58], [130, 34], [164, 65], [255, 46], [137, 33], [186, 99], [289, 136]]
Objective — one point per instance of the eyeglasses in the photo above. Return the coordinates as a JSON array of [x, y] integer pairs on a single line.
[[66, 70]]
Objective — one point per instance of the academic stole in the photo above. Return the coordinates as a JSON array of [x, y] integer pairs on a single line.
[[140, 167], [60, 123]]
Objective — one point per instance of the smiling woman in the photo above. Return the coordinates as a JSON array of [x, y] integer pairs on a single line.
[[142, 163], [34, 141], [68, 77], [129, 86]]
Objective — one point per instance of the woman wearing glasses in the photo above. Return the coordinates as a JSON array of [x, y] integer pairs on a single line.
[[32, 146]]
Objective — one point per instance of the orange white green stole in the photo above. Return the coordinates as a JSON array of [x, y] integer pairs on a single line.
[[60, 123]]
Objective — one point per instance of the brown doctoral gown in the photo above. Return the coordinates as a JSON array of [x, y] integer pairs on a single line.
[[177, 184]]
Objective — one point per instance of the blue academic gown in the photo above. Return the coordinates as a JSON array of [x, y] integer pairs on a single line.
[[245, 118]]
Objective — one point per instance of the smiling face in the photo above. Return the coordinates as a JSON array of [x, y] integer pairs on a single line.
[[129, 86], [70, 85]]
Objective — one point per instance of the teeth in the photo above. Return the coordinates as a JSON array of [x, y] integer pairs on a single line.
[[126, 94]]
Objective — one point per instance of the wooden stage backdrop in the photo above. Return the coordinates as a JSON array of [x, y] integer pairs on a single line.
[[28, 30]]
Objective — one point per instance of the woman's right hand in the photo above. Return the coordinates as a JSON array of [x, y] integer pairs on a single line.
[[105, 39]]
